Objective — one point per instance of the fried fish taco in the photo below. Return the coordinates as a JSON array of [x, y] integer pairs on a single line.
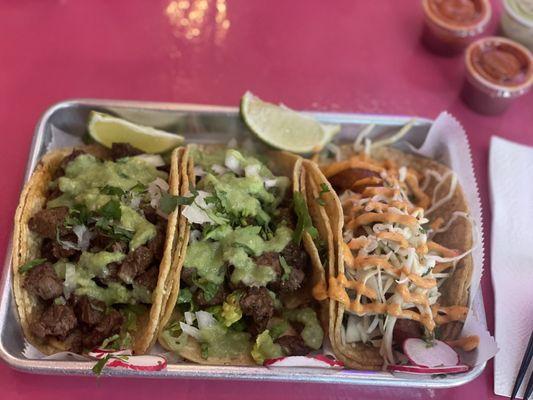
[[403, 236], [92, 248], [248, 261]]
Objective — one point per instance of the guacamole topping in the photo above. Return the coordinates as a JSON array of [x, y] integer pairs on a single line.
[[265, 348], [224, 343], [312, 334]]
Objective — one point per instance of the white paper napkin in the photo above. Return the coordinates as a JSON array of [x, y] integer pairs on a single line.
[[511, 183]]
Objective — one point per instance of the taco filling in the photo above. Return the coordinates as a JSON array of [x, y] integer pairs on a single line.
[[101, 238], [243, 291], [394, 271]]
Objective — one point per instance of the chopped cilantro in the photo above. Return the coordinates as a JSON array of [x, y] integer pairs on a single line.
[[78, 215], [100, 364], [184, 296], [112, 340], [205, 350], [30, 264], [210, 289], [286, 268], [111, 210], [279, 329], [112, 190], [304, 219], [168, 202], [113, 231], [323, 188]]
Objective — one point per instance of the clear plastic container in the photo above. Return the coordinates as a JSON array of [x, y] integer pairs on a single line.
[[517, 21], [451, 25], [498, 70]]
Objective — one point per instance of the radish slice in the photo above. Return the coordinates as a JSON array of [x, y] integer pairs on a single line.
[[438, 354], [318, 361], [415, 369], [138, 363]]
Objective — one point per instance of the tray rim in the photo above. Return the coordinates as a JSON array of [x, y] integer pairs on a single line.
[[193, 371]]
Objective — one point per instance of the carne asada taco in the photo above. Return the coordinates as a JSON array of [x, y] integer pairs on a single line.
[[248, 262], [403, 237], [92, 248]]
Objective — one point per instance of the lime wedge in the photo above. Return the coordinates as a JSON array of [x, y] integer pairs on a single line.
[[106, 130], [284, 128]]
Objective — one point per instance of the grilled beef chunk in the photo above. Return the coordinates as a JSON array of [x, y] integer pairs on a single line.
[[405, 329], [218, 298], [121, 150], [46, 222], [61, 252], [89, 311], [345, 180], [56, 320], [148, 278], [293, 345], [285, 214], [42, 281], [296, 258], [109, 325], [288, 283], [257, 304], [150, 213], [157, 244], [187, 275], [135, 264], [47, 250]]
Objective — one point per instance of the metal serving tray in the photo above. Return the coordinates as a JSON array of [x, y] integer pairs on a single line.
[[198, 124]]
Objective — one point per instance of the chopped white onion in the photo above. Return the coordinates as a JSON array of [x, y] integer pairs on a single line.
[[190, 330], [135, 202], [252, 170], [155, 189], [219, 169], [69, 285], [205, 319], [84, 236], [270, 183], [233, 163], [189, 317], [195, 212]]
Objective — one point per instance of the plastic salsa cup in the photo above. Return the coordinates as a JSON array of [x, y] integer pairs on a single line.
[[498, 70], [517, 21], [451, 25]]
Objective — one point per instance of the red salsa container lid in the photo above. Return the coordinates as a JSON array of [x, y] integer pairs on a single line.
[[499, 66], [460, 17]]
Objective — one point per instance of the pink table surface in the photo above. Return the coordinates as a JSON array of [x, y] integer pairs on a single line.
[[352, 55]]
